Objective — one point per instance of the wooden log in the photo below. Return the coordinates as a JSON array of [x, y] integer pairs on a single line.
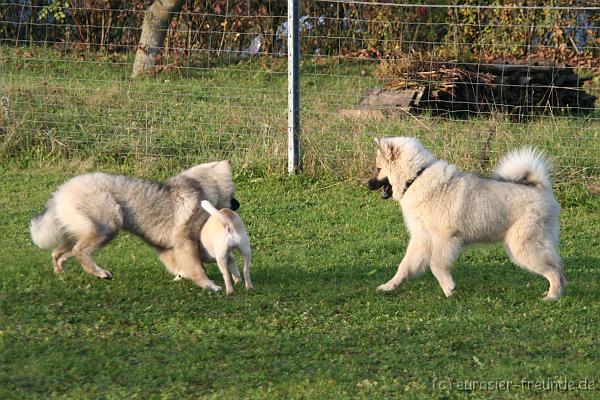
[[468, 88]]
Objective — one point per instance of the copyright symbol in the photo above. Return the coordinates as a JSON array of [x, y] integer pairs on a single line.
[[440, 384], [443, 385]]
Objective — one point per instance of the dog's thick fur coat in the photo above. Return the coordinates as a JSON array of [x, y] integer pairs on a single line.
[[87, 212], [445, 209]]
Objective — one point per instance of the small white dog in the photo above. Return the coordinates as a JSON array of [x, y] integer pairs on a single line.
[[222, 233], [445, 209]]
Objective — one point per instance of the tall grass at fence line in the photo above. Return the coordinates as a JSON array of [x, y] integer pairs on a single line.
[[79, 106]]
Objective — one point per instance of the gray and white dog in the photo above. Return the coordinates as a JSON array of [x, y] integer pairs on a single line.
[[445, 209], [87, 212]]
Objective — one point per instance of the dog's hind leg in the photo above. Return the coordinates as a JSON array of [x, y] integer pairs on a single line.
[[83, 250], [233, 269], [414, 262], [92, 228], [557, 280], [222, 263], [60, 255], [247, 279], [444, 251], [539, 256], [64, 258], [244, 248]]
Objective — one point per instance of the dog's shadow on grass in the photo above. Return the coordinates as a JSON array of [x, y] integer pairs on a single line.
[[583, 277], [473, 279], [582, 273]]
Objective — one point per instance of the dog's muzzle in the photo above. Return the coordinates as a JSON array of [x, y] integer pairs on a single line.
[[234, 204], [386, 191]]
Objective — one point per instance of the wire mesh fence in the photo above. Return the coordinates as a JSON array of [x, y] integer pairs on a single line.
[[66, 79], [471, 80]]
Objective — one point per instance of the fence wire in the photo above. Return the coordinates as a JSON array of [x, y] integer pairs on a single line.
[[472, 81]]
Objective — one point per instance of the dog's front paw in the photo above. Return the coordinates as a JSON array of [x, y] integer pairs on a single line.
[[249, 286], [103, 274], [548, 297], [387, 287], [212, 286], [449, 292]]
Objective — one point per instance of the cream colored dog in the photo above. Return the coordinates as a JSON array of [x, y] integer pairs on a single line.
[[223, 232], [445, 209]]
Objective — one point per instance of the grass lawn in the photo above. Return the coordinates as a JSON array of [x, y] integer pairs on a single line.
[[314, 328]]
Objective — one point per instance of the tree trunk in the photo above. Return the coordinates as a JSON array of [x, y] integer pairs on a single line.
[[154, 29]]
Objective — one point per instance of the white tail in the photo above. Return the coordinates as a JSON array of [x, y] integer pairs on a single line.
[[207, 205], [45, 230], [526, 166]]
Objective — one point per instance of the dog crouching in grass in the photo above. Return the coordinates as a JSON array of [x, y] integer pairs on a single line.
[[222, 233], [445, 209]]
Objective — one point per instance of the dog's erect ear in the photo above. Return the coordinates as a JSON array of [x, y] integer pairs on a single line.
[[223, 166], [378, 143], [387, 148]]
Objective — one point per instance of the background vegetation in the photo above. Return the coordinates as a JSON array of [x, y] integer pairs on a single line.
[[315, 327], [207, 28], [79, 105]]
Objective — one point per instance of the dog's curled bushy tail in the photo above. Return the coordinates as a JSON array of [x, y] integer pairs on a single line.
[[45, 230], [526, 166]]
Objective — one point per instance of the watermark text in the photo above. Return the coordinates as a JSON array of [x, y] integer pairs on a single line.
[[563, 384]]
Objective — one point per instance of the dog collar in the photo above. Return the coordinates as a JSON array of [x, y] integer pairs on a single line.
[[411, 180]]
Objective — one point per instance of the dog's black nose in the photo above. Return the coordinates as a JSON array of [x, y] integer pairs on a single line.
[[374, 184], [234, 204]]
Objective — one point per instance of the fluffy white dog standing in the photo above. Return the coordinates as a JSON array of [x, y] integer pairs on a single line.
[[445, 209]]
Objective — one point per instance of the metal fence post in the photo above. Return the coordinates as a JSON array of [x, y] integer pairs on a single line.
[[293, 48]]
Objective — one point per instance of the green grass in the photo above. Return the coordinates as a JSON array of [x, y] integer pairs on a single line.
[[314, 328]]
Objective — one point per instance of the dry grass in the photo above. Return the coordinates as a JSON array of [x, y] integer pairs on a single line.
[[240, 112]]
